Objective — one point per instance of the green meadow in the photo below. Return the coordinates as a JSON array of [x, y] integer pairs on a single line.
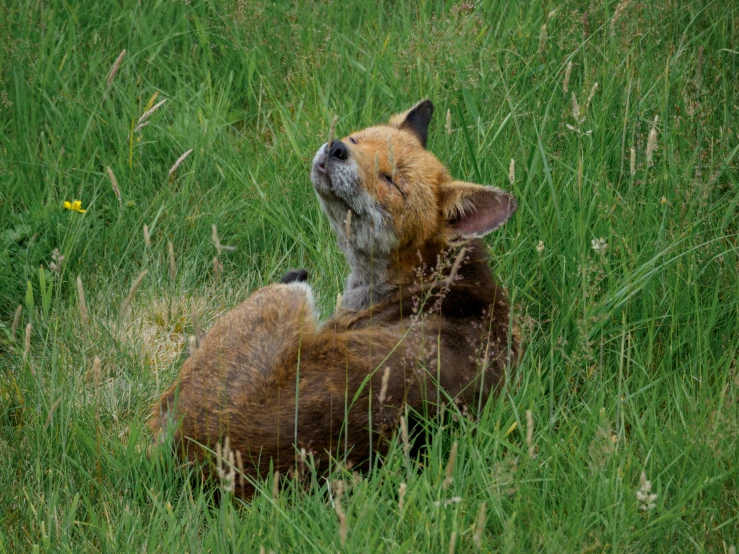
[[618, 431]]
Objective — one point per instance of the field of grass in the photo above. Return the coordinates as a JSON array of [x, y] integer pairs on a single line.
[[621, 263]]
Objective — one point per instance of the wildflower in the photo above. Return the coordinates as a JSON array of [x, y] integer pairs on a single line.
[[540, 247], [566, 83], [599, 244], [647, 500], [75, 206], [512, 171]]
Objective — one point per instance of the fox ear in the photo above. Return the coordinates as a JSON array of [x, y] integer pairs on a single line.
[[475, 210], [416, 120]]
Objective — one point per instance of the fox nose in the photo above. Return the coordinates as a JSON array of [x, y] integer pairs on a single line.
[[338, 150]]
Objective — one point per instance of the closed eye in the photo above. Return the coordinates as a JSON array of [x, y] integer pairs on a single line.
[[389, 180], [352, 140]]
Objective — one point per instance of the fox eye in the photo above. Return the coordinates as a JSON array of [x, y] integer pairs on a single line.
[[389, 180], [352, 140]]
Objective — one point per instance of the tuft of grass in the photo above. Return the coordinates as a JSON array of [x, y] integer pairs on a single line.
[[621, 264]]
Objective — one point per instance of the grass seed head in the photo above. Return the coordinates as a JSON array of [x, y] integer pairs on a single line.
[[512, 171], [383, 387], [644, 496], [452, 542], [479, 527], [178, 162], [27, 344], [402, 489], [96, 373], [51, 413], [530, 433], [147, 237], [449, 122], [114, 69], [275, 484], [126, 306], [449, 473], [114, 184], [142, 122], [632, 161], [652, 142], [566, 83], [542, 38], [172, 263], [84, 314], [16, 322]]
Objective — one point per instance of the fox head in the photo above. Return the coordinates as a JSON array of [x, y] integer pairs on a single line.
[[388, 199]]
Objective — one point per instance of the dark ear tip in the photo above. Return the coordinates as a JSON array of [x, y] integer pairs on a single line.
[[426, 107], [295, 276]]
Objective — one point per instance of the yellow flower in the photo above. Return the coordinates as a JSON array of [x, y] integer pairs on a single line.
[[74, 206]]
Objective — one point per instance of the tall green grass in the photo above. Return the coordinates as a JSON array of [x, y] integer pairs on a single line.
[[625, 283]]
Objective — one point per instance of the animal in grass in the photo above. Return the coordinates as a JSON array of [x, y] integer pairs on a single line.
[[423, 321]]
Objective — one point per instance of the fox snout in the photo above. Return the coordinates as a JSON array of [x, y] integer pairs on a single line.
[[333, 173]]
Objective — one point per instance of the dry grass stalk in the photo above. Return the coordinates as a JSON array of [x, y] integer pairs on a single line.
[[147, 237], [622, 5], [217, 267], [16, 322], [114, 184], [141, 123], [452, 542], [51, 413], [566, 83], [172, 263], [455, 266], [512, 171], [402, 489], [449, 473], [178, 162], [97, 373], [632, 164], [579, 174], [84, 314], [530, 433], [115, 67], [479, 527], [338, 301], [217, 241], [343, 527], [126, 306], [449, 122], [27, 345]]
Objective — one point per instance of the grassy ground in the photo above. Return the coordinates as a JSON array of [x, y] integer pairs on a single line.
[[624, 273]]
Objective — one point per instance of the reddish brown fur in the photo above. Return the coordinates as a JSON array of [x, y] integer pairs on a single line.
[[443, 338]]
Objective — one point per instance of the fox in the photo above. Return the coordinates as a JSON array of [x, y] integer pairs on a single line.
[[422, 322]]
